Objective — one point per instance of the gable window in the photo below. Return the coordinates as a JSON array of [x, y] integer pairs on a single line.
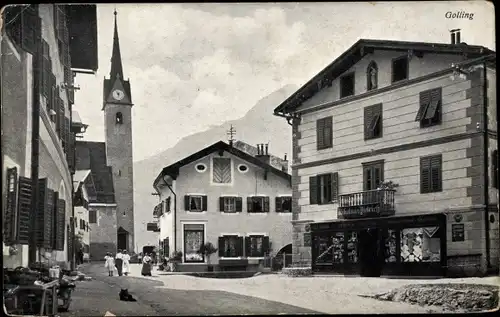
[[92, 216], [230, 204], [195, 203], [431, 174], [347, 85], [324, 129], [373, 121], [494, 178], [372, 76], [284, 204], [399, 69], [323, 189], [258, 204], [194, 236], [119, 118], [230, 246], [256, 245], [430, 108], [221, 170], [373, 175]]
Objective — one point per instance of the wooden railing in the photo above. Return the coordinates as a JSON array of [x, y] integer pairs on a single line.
[[371, 203]]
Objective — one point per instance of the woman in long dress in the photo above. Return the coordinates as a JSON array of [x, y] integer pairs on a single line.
[[146, 265], [119, 262], [126, 263], [109, 264]]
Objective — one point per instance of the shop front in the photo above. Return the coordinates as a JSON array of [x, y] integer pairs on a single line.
[[394, 245]]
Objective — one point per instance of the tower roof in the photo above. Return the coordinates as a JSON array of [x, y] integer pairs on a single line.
[[116, 58]]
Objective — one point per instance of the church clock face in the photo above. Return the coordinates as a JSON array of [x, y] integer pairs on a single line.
[[118, 94]]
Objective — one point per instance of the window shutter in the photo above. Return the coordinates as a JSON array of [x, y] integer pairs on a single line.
[[221, 246], [60, 124], [40, 211], [249, 204], [61, 215], [48, 221], [10, 216], [24, 211], [204, 200], [424, 175], [239, 204], [70, 154], [425, 99], [494, 177], [31, 26], [367, 178], [54, 221], [266, 204], [335, 186], [279, 206], [320, 127], [434, 103], [186, 203], [221, 203], [328, 132], [69, 245], [248, 248], [239, 246], [313, 190], [368, 116], [436, 173], [265, 245]]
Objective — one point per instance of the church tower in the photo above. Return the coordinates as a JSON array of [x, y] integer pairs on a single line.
[[117, 107]]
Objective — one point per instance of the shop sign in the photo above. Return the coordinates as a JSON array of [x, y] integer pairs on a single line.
[[307, 239], [457, 232]]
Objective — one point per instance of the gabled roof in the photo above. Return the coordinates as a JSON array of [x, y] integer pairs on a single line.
[[92, 156], [79, 177], [362, 47], [173, 169]]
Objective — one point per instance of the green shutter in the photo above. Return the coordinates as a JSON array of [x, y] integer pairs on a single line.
[[313, 190], [10, 216], [186, 203], [266, 204], [249, 204], [279, 206], [221, 203], [24, 210], [335, 186], [239, 204], [204, 203], [221, 246]]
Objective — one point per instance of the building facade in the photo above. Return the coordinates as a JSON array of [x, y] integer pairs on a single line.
[[40, 48], [238, 202], [81, 205], [394, 160]]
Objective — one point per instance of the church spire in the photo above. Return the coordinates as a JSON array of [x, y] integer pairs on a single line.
[[116, 58]]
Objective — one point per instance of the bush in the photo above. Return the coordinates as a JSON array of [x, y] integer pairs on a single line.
[[297, 271]]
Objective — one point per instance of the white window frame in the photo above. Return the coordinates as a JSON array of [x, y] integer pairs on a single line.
[[262, 197], [286, 196], [262, 235], [200, 196], [232, 257]]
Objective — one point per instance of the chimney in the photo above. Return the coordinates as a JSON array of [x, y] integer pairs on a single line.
[[455, 36], [284, 164], [263, 155]]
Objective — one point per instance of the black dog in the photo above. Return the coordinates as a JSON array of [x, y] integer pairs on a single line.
[[125, 296]]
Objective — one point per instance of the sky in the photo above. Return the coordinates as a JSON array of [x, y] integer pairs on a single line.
[[192, 66]]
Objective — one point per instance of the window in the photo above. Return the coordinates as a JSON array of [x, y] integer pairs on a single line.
[[373, 122], [82, 223], [347, 85], [230, 204], [373, 175], [201, 167], [283, 204], [256, 245], [23, 26], [420, 245], [258, 204], [194, 236], [230, 246], [323, 189], [372, 76], [92, 216], [324, 129], [399, 69], [221, 170], [494, 177], [10, 215], [430, 108], [195, 203], [430, 174], [243, 168], [119, 118]]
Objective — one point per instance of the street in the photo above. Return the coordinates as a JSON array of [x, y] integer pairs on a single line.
[[100, 295]]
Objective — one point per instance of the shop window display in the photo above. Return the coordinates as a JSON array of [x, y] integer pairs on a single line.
[[338, 247], [324, 246], [352, 247], [420, 245], [390, 247]]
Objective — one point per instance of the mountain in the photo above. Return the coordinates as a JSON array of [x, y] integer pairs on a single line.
[[258, 125]]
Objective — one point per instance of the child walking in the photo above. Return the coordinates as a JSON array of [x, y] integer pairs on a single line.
[[110, 263]]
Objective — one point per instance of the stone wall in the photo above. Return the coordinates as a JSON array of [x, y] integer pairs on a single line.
[[103, 234]]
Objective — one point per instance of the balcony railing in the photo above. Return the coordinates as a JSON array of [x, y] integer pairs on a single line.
[[371, 203]]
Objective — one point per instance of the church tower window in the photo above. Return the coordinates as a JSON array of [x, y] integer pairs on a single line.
[[119, 118]]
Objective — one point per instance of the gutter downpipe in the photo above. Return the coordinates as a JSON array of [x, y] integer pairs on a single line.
[[175, 215], [485, 166]]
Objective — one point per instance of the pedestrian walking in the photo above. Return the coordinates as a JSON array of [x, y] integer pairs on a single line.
[[125, 263], [119, 262], [110, 263], [80, 256], [146, 265]]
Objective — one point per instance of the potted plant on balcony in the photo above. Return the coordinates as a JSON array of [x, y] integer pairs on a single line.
[[207, 250], [390, 185], [175, 259]]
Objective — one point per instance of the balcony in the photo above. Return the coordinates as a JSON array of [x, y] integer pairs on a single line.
[[366, 204]]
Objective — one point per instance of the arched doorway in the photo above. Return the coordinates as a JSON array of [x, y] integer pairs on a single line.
[[122, 239], [283, 257]]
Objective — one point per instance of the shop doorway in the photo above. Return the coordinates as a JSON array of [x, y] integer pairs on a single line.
[[370, 260]]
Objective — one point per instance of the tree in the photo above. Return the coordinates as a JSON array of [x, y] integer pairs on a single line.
[[207, 249]]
